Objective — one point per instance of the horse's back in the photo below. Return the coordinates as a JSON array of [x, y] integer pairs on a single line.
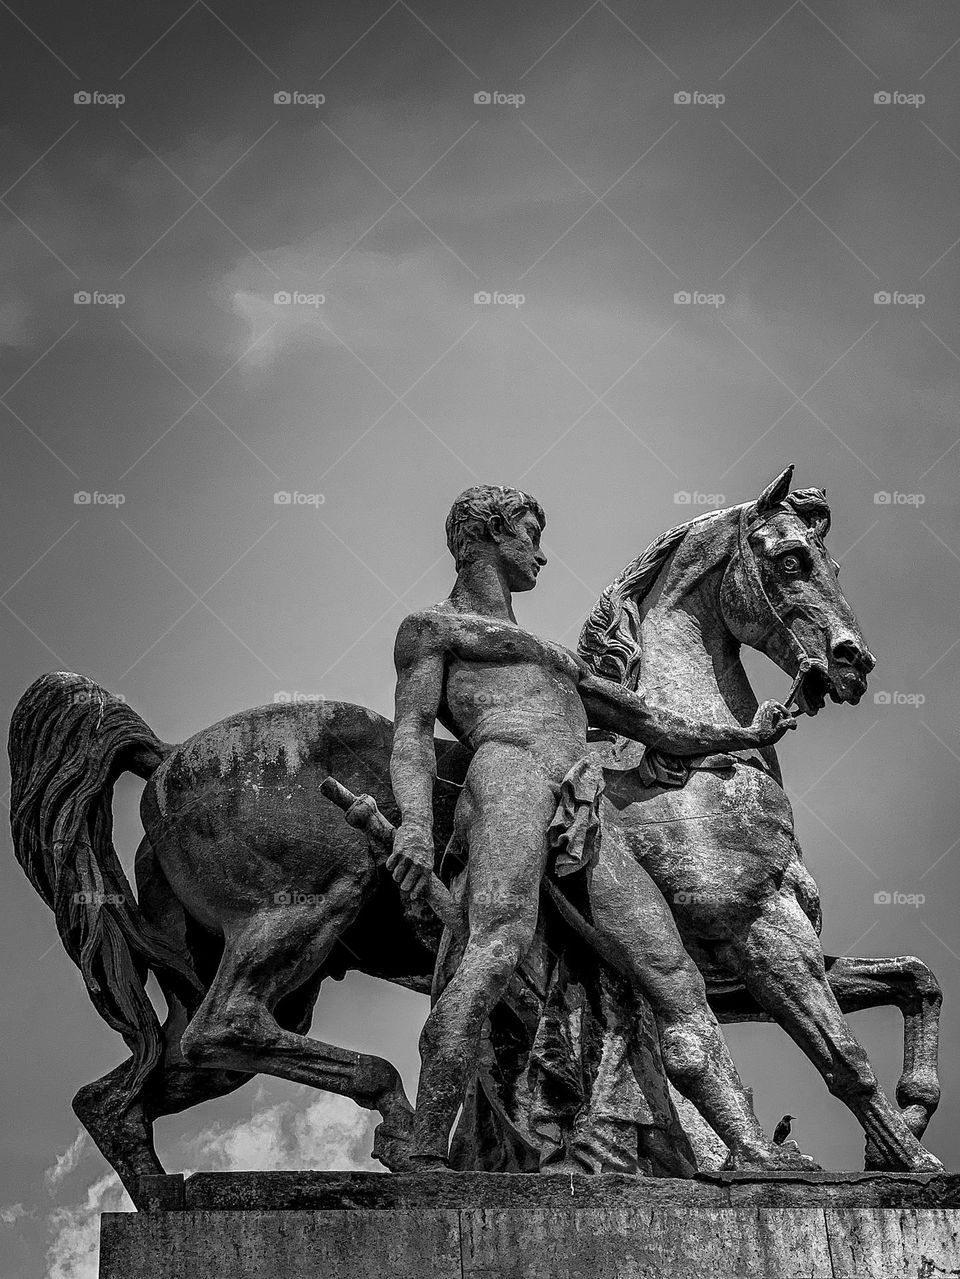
[[235, 815]]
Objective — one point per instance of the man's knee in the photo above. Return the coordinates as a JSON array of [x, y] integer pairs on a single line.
[[489, 960], [673, 984], [685, 1045], [495, 952]]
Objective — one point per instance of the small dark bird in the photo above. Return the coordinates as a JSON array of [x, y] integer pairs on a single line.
[[782, 1130]]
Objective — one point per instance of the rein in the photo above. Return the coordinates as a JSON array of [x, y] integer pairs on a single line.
[[752, 574]]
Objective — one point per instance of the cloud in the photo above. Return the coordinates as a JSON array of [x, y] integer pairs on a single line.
[[328, 1133], [74, 1250], [66, 1162]]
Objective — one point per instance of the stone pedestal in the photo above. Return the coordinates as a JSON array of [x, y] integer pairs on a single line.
[[494, 1226]]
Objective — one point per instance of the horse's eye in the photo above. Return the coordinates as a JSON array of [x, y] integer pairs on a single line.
[[790, 564]]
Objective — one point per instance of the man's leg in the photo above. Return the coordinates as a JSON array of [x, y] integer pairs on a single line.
[[639, 936], [505, 812]]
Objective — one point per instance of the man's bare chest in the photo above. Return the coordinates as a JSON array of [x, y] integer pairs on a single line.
[[476, 640]]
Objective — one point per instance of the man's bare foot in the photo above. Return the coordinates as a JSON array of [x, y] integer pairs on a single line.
[[786, 1158], [429, 1163]]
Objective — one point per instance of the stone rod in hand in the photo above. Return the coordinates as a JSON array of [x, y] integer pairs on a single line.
[[362, 812]]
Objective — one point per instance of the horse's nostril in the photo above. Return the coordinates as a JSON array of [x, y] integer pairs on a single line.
[[850, 653]]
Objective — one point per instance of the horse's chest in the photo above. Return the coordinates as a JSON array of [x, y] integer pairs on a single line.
[[734, 828]]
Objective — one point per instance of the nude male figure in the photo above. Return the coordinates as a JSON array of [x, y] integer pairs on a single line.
[[523, 705]]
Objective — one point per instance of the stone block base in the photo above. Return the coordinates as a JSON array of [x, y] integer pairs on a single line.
[[490, 1226]]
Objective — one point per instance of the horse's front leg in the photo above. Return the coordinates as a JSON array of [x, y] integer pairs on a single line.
[[779, 959], [910, 985]]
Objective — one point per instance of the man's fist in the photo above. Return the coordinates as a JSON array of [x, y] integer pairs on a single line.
[[771, 722], [411, 861]]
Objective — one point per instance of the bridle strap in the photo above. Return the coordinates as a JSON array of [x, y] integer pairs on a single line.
[[751, 572]]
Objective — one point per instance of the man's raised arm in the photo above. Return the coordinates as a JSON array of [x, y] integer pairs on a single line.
[[419, 659], [631, 714]]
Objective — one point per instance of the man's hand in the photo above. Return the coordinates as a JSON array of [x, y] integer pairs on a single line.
[[770, 723], [411, 861]]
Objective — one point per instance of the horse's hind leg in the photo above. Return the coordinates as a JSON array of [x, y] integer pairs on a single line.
[[779, 960], [119, 1125], [266, 957], [910, 985]]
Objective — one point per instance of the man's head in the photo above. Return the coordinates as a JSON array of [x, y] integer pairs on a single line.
[[501, 524]]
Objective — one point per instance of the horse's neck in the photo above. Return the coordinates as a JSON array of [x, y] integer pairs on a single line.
[[692, 661]]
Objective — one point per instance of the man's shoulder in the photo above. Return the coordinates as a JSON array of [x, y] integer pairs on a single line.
[[424, 631]]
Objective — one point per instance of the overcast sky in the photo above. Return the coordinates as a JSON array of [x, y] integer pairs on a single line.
[[781, 195]]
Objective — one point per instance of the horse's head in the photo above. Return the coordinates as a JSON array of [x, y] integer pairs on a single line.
[[780, 594]]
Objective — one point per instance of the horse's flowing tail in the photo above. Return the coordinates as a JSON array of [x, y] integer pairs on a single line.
[[69, 742]]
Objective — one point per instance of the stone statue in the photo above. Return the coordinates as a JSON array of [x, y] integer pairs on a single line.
[[523, 705], [252, 890]]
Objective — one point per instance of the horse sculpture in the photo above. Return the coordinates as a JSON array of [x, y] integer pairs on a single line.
[[252, 890]]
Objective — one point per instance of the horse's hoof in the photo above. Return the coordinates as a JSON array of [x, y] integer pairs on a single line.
[[922, 1161], [392, 1148], [873, 1161], [566, 1167], [926, 1162]]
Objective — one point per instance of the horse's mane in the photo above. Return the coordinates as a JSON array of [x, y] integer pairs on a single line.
[[610, 642]]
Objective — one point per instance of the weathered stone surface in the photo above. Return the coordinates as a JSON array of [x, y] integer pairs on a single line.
[[275, 1191], [489, 1226], [280, 1245], [641, 1243], [913, 1244]]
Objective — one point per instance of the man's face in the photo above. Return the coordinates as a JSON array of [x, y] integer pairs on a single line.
[[519, 552]]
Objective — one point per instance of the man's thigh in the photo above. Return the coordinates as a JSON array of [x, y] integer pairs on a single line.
[[635, 922], [502, 822]]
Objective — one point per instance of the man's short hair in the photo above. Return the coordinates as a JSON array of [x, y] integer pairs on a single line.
[[470, 513]]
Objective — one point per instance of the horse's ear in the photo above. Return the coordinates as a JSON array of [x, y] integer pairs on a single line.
[[774, 493]]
